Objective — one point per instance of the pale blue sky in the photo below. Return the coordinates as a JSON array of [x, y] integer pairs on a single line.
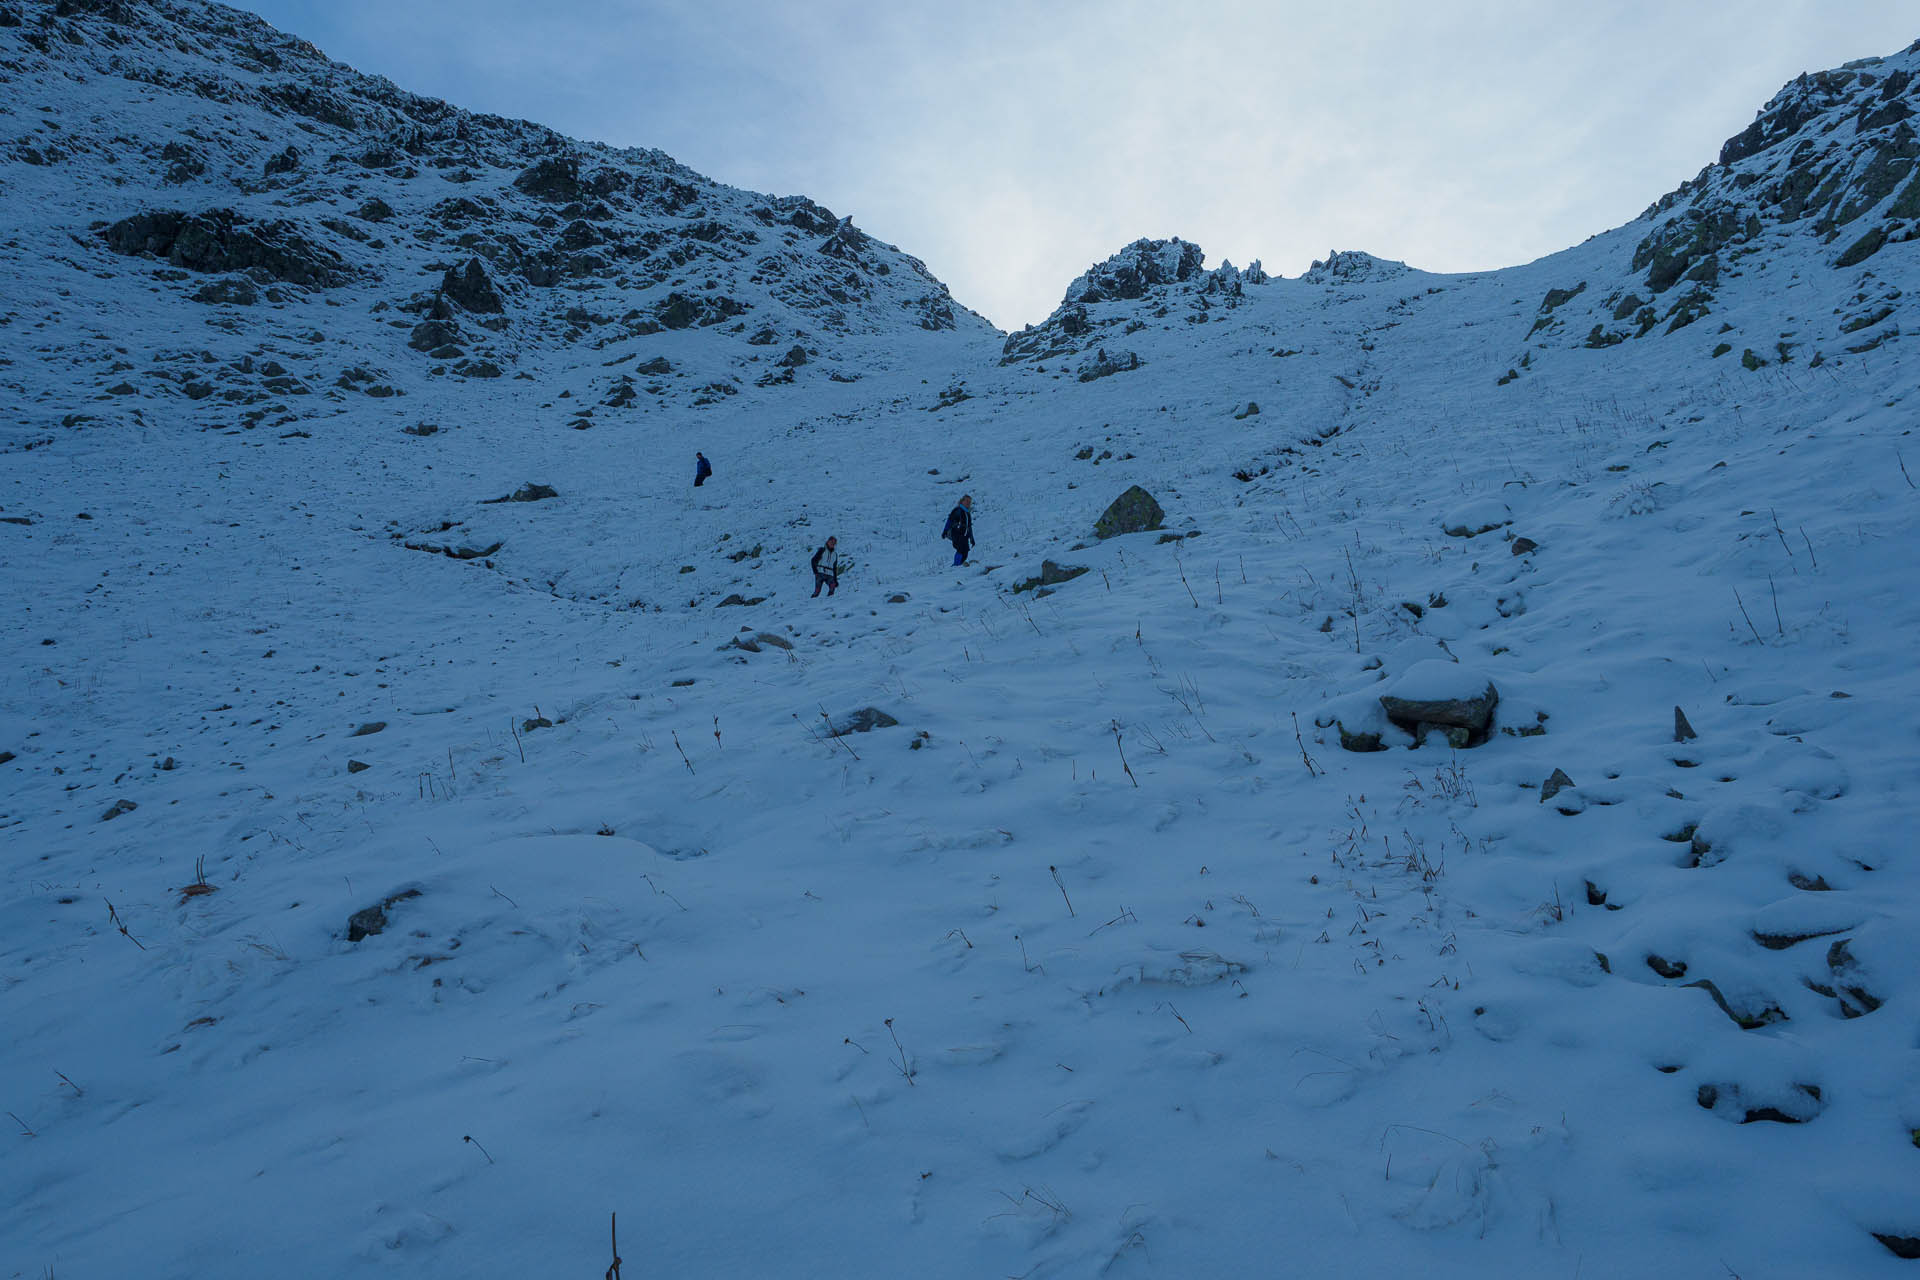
[[1010, 145]]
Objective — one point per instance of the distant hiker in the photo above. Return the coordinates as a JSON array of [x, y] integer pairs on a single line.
[[701, 469], [959, 530], [828, 574]]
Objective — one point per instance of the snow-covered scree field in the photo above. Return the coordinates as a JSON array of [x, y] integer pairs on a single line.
[[399, 881]]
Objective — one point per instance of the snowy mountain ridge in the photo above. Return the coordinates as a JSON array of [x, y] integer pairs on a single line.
[[433, 826], [276, 174]]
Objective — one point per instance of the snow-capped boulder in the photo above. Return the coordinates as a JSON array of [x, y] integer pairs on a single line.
[[1471, 519], [1449, 696]]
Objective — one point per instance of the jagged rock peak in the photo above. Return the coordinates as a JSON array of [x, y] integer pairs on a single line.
[[1870, 89], [1353, 267], [1135, 269], [1833, 155]]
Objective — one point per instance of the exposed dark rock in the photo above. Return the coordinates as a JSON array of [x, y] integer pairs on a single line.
[[235, 291], [1798, 1105], [1667, 968], [795, 357], [1556, 782], [283, 162], [526, 493], [1863, 248], [1134, 511], [358, 766], [439, 329], [1682, 731], [1481, 517], [371, 727], [183, 163], [313, 103], [1899, 1246], [374, 210], [1102, 365], [1747, 1020], [369, 921], [683, 311], [1050, 575], [118, 807], [1140, 266], [1850, 981], [470, 287], [654, 367], [220, 240], [557, 178], [865, 720]]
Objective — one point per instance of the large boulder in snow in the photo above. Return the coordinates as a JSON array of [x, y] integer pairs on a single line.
[[1451, 697], [1134, 511]]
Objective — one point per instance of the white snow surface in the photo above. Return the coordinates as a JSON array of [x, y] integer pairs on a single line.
[[1107, 959]]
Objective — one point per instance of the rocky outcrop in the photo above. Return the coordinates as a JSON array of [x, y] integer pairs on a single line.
[[1353, 267], [1102, 365], [220, 240], [1130, 273], [556, 179], [470, 287]]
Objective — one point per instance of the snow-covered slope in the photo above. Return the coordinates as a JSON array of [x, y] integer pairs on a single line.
[[401, 880]]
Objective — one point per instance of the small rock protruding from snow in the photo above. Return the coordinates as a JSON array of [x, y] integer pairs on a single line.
[[865, 720], [529, 492], [1556, 782], [368, 921], [1471, 519], [1682, 731]]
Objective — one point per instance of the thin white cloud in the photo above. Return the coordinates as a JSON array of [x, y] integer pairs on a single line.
[[1010, 145]]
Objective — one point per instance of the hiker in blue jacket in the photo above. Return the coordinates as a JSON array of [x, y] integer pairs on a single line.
[[959, 530], [701, 469]]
